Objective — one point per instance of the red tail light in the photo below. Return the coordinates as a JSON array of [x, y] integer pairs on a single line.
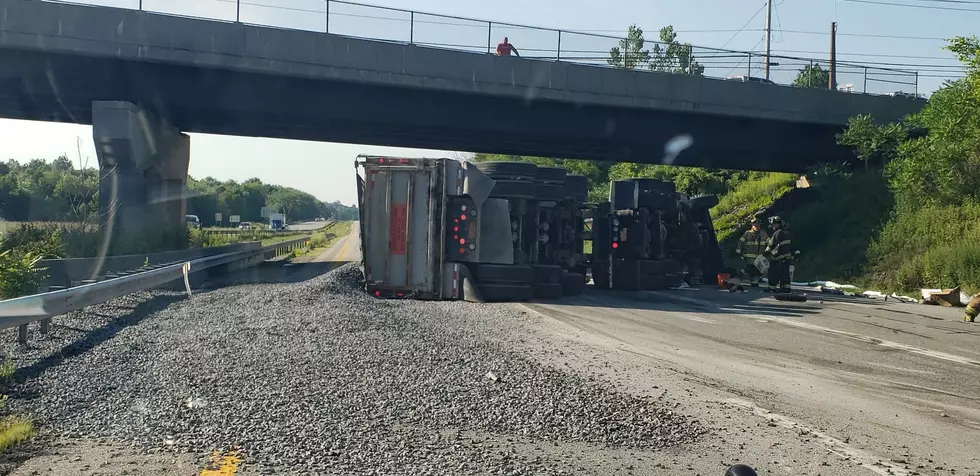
[[615, 245]]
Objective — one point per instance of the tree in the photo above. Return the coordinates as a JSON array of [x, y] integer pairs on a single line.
[[813, 76], [672, 56], [872, 142], [630, 53]]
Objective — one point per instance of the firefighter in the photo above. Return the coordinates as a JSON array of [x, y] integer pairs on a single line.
[[750, 246], [779, 248], [972, 309]]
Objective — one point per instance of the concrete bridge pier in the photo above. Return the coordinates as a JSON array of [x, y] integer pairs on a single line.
[[143, 164]]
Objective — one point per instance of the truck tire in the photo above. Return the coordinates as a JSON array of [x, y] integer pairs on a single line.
[[508, 170], [652, 283], [577, 188], [547, 291], [495, 292], [600, 274], [525, 189], [550, 192], [657, 201], [655, 185], [503, 273], [550, 175], [572, 284], [649, 268], [704, 201], [546, 273], [672, 280], [626, 275]]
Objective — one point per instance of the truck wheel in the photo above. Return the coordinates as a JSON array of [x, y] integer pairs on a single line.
[[525, 189], [648, 268], [494, 292], [704, 201], [652, 283], [546, 273], [740, 470], [572, 284], [503, 273], [672, 280], [508, 170], [549, 192], [600, 274], [655, 185], [550, 174], [577, 188], [547, 291]]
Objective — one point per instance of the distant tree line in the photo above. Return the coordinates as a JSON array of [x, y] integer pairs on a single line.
[[58, 191]]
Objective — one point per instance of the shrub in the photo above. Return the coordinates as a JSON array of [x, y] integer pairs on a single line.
[[19, 275]]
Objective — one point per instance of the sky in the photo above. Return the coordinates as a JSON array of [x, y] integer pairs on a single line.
[[871, 33]]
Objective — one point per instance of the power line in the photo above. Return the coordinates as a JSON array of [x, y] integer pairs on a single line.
[[868, 35], [757, 12], [909, 5]]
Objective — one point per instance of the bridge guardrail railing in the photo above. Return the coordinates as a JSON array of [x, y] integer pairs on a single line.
[[19, 312], [341, 17]]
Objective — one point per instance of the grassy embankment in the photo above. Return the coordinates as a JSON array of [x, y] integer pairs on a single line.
[[848, 231]]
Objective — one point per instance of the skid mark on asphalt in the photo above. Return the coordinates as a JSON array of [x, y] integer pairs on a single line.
[[222, 465], [868, 461], [863, 338]]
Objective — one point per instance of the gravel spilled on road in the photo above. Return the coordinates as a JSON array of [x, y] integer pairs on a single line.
[[319, 377]]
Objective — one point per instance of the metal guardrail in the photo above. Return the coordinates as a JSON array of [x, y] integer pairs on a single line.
[[19, 312], [340, 17]]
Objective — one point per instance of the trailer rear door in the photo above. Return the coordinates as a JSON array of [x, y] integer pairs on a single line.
[[401, 219]]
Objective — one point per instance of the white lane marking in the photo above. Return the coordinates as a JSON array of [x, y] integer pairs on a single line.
[[868, 461], [863, 338]]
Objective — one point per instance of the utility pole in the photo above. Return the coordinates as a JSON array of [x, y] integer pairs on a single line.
[[768, 33], [833, 56]]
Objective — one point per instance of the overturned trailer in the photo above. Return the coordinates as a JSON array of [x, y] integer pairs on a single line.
[[445, 229]]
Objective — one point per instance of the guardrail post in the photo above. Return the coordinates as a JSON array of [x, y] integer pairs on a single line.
[[865, 79], [748, 70], [489, 33], [22, 334], [327, 20], [238, 11], [411, 29], [559, 45], [917, 83], [141, 5]]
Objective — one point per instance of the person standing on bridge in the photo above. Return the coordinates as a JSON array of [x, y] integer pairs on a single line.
[[750, 246], [505, 49], [779, 248]]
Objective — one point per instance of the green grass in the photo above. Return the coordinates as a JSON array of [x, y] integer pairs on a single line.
[[735, 208], [13, 429], [934, 247]]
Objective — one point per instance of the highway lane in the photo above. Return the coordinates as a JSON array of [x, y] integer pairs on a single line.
[[308, 225], [895, 385], [345, 250]]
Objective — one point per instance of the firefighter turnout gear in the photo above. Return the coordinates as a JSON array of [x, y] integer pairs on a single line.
[[972, 309], [780, 249], [752, 244]]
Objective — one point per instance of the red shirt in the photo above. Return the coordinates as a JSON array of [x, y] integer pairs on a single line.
[[505, 49]]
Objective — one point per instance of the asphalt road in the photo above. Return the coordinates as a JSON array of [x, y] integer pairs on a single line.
[[344, 251], [832, 386], [308, 225]]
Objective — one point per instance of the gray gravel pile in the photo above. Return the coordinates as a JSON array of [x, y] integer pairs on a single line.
[[320, 376]]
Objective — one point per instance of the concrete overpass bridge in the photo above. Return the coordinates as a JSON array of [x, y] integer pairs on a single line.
[[144, 79]]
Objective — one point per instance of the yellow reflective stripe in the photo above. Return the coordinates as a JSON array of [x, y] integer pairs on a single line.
[[784, 242], [749, 255], [971, 311], [787, 255]]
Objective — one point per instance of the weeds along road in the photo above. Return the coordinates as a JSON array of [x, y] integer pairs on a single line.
[[289, 370]]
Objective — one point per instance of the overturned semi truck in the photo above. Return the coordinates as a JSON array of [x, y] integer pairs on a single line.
[[493, 231], [512, 231]]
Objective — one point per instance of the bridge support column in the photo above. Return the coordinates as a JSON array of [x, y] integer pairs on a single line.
[[143, 176]]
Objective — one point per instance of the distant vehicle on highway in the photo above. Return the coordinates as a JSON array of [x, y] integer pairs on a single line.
[[193, 221], [245, 226], [318, 219], [750, 79]]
